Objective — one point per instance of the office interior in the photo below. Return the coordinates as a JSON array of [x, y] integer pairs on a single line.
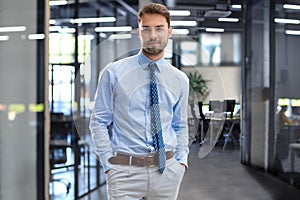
[[53, 51]]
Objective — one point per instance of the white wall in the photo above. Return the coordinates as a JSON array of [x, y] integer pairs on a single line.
[[225, 82]]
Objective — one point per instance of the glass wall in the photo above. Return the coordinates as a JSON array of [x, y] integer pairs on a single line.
[[271, 100], [287, 95], [23, 50]]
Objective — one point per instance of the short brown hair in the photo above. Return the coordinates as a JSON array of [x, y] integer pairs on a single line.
[[155, 8]]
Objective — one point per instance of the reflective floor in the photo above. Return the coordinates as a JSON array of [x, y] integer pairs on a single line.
[[220, 176]]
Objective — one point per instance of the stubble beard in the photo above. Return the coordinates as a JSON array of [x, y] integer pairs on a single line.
[[154, 50]]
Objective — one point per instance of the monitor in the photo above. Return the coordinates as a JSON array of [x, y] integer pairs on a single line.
[[229, 105], [215, 105], [295, 110]]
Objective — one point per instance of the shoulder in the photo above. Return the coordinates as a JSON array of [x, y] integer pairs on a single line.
[[177, 73], [124, 61], [121, 65]]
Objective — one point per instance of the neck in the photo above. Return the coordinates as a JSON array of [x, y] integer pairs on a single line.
[[153, 57]]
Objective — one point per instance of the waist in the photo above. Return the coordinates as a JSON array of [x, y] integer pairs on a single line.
[[140, 161]]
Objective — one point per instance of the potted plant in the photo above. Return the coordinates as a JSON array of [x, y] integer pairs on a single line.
[[199, 87]]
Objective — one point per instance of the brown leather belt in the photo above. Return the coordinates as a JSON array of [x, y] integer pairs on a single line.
[[141, 161]]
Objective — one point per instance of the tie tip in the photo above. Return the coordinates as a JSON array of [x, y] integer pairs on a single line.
[[161, 170]]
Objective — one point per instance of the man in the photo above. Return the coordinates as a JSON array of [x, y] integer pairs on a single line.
[[142, 160], [282, 118]]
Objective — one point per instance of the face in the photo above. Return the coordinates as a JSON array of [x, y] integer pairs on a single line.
[[154, 34]]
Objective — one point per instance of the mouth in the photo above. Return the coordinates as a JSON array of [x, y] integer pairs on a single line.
[[153, 43]]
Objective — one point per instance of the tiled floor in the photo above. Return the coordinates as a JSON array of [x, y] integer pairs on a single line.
[[221, 176]]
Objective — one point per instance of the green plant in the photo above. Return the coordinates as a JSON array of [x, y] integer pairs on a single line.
[[199, 85]]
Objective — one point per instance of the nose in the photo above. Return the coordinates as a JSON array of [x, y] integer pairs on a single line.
[[153, 33]]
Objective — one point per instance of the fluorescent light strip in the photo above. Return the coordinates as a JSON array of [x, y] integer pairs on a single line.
[[214, 30], [287, 21], [180, 31], [290, 6], [58, 3], [13, 29], [221, 19], [236, 6], [180, 12], [120, 36], [52, 21], [93, 20], [292, 32], [113, 29], [36, 36], [4, 37], [183, 23]]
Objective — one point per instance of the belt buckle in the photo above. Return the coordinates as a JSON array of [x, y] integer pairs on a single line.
[[153, 160]]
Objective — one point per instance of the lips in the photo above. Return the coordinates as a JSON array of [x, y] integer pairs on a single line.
[[153, 43]]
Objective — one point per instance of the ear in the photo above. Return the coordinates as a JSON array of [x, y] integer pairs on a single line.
[[170, 32]]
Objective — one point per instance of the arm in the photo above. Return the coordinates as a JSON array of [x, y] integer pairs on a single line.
[[180, 126], [286, 120], [101, 118]]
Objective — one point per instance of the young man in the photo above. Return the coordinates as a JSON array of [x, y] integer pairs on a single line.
[[142, 160]]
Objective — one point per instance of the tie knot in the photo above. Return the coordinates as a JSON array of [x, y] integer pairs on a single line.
[[152, 66]]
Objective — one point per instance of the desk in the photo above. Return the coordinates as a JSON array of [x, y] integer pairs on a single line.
[[292, 148], [230, 122]]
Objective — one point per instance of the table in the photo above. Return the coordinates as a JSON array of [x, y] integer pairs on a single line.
[[230, 122]]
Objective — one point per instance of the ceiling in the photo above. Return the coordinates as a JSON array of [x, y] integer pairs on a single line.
[[205, 12]]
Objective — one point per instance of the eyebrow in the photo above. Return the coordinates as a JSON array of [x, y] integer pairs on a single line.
[[155, 26]]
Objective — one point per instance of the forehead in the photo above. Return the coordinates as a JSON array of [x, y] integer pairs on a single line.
[[153, 20]]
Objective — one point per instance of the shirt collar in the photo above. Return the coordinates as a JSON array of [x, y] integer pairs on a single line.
[[144, 61]]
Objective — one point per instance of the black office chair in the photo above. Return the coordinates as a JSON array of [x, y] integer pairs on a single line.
[[59, 132]]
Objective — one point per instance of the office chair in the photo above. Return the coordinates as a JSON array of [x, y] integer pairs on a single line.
[[59, 132]]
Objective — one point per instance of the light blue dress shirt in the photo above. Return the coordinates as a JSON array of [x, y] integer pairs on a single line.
[[122, 99]]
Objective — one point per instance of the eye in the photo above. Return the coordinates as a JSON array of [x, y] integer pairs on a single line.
[[146, 30], [159, 29]]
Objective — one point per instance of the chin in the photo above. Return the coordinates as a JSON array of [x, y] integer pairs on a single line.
[[153, 51]]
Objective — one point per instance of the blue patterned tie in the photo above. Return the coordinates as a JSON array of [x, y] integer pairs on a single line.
[[155, 120]]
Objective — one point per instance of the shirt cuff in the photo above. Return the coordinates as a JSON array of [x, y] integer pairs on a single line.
[[104, 161]]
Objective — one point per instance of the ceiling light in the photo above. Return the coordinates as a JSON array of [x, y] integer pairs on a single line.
[[113, 29], [103, 35], [214, 30], [67, 30], [180, 31], [292, 32], [36, 36], [217, 13], [120, 36], [290, 6], [183, 23], [93, 20], [222, 19], [13, 29], [52, 21], [236, 6], [180, 12], [58, 3], [287, 21], [4, 37]]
